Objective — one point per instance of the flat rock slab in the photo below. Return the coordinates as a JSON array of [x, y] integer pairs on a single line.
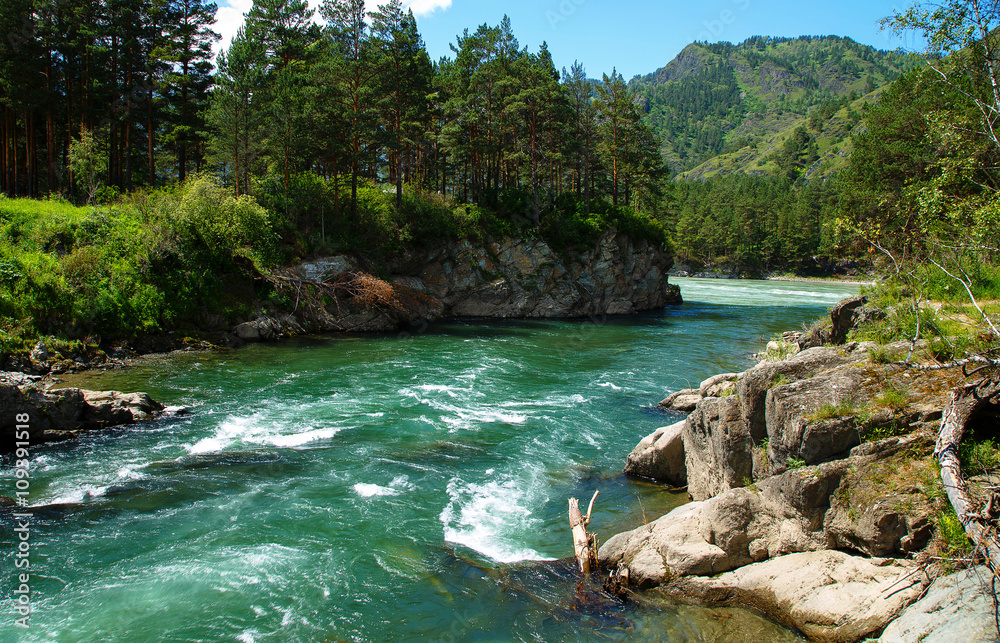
[[829, 596], [956, 608]]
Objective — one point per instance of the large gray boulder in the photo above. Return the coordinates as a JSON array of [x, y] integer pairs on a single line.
[[527, 278], [792, 429], [717, 447], [60, 414], [829, 596], [113, 408], [756, 382], [660, 456], [958, 607], [682, 401], [844, 317], [669, 547]]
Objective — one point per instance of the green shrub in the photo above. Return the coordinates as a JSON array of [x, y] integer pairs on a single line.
[[831, 411], [893, 398], [978, 457], [953, 535]]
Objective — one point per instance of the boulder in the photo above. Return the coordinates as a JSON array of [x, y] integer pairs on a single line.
[[666, 548], [527, 278], [845, 316], [717, 447], [829, 596], [40, 353], [682, 401], [958, 607], [794, 512], [718, 385], [111, 408], [792, 430], [753, 386], [60, 414], [660, 456]]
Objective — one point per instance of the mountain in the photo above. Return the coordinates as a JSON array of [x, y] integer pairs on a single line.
[[764, 106]]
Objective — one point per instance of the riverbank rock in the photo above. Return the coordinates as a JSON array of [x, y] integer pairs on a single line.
[[829, 596], [525, 278], [685, 400], [61, 414], [682, 401], [835, 504], [958, 607], [498, 278], [660, 456], [717, 448]]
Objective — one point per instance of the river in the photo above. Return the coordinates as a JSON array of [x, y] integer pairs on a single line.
[[403, 487]]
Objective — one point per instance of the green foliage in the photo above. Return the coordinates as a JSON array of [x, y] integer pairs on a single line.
[[953, 534], [978, 457], [879, 355], [793, 463], [893, 398], [779, 351], [733, 99], [753, 225], [153, 261], [832, 411]]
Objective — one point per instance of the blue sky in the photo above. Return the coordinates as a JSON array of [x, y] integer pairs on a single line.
[[636, 36]]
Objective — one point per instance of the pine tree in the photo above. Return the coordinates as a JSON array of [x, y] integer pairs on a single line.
[[236, 113], [188, 47], [353, 67], [405, 79]]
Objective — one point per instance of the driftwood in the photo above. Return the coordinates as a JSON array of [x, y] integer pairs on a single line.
[[584, 544], [981, 526]]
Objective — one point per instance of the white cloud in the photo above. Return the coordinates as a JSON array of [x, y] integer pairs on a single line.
[[232, 13], [426, 7]]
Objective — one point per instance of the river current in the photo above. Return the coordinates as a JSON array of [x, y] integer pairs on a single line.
[[402, 487]]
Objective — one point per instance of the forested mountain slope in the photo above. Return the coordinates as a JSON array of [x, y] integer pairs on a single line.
[[743, 102]]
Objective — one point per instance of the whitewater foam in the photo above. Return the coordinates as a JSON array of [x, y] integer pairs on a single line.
[[489, 518], [255, 430]]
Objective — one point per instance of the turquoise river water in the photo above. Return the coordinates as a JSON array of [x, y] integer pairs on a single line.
[[404, 487]]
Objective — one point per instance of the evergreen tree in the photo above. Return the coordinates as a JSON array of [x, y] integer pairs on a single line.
[[405, 75], [355, 71], [188, 47]]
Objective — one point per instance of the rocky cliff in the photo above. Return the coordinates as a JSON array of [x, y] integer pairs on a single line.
[[507, 278]]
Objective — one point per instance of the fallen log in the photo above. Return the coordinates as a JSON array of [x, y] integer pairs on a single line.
[[584, 544], [979, 526]]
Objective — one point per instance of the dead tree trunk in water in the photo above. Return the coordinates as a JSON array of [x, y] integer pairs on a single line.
[[584, 544]]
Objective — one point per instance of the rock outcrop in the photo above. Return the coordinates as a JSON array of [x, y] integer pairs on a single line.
[[829, 596], [814, 488], [958, 607], [508, 278], [62, 414], [801, 510], [526, 278]]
